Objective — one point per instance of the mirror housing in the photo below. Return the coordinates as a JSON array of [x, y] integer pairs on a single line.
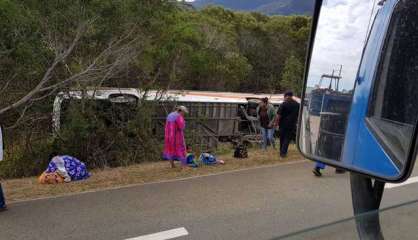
[[356, 116]]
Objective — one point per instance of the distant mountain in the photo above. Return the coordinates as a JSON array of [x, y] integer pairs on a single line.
[[270, 7]]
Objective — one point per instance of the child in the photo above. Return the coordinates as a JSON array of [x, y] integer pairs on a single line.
[[190, 158]]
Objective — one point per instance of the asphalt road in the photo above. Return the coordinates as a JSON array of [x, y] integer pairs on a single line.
[[260, 203]]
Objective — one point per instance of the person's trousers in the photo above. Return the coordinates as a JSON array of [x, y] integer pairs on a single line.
[[2, 200], [320, 165], [285, 138], [268, 136]]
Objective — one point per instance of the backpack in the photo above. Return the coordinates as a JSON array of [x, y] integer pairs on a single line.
[[241, 151], [208, 159]]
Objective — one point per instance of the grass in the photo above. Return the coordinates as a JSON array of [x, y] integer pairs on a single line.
[[29, 188]]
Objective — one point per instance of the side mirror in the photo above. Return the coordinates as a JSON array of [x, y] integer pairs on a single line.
[[360, 94]]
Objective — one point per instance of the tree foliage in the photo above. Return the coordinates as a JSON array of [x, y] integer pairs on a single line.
[[210, 49], [293, 75]]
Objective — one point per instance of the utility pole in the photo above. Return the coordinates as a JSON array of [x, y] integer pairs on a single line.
[[339, 78], [330, 82]]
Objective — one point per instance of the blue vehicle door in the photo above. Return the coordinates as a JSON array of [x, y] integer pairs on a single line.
[[384, 113]]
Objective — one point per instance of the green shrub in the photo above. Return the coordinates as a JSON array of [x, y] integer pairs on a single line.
[[105, 134], [26, 161], [98, 133]]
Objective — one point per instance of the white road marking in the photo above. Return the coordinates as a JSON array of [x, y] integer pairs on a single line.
[[170, 234], [409, 181]]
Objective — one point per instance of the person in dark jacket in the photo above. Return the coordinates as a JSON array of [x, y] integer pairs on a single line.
[[287, 117]]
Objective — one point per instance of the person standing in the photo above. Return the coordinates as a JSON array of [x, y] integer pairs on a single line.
[[287, 120], [174, 142], [266, 115]]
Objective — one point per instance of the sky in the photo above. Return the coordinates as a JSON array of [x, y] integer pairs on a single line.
[[340, 37]]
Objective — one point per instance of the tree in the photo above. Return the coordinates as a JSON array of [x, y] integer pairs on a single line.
[[292, 78], [47, 47]]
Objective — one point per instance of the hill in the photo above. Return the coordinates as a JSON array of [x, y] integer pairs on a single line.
[[270, 7]]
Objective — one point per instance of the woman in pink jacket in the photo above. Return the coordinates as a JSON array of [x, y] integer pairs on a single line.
[[174, 143]]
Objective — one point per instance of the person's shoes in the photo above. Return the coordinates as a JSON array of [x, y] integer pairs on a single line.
[[2, 209], [317, 172], [339, 171], [282, 155]]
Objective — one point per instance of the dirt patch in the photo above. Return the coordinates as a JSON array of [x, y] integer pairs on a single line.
[[29, 188]]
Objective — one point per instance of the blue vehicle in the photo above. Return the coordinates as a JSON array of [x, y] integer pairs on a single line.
[[379, 47], [329, 99], [331, 106]]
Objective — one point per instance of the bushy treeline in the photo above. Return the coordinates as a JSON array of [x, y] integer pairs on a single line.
[[217, 49], [48, 46], [210, 49]]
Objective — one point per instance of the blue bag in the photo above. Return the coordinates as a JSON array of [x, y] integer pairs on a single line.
[[208, 159]]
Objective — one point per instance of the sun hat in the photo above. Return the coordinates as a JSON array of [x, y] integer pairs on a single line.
[[182, 109]]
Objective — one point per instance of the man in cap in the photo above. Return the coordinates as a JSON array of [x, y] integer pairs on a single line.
[[287, 117]]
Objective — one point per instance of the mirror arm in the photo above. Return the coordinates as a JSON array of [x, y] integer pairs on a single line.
[[366, 198]]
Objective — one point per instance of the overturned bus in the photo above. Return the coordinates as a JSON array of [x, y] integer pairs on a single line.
[[213, 116]]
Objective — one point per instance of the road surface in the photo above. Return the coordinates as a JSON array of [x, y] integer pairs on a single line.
[[259, 203]]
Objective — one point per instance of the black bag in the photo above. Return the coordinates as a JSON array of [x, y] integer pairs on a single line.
[[241, 151]]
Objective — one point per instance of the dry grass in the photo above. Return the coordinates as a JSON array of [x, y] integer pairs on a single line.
[[29, 188]]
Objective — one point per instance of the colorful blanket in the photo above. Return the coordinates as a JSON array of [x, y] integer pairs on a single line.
[[68, 167]]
